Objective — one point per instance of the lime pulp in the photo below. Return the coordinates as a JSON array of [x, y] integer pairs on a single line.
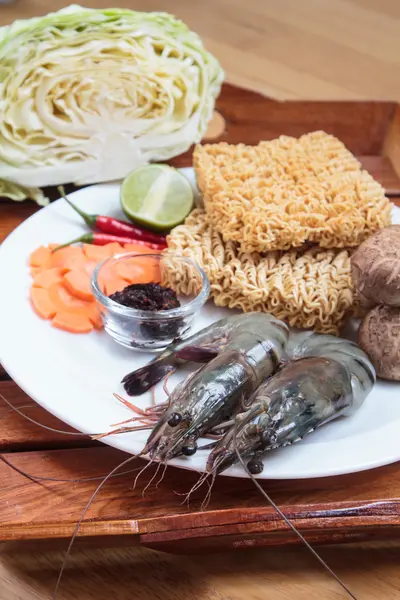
[[156, 196]]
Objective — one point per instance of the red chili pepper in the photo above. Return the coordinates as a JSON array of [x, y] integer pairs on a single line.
[[114, 226], [101, 239]]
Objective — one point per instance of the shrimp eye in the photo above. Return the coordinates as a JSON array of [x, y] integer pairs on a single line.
[[174, 419], [189, 449], [255, 466]]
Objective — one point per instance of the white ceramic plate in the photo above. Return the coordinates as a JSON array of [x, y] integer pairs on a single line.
[[74, 376]]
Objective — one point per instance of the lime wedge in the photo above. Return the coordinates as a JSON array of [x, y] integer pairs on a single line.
[[157, 196]]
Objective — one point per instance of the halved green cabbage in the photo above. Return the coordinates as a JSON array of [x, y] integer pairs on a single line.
[[88, 95]]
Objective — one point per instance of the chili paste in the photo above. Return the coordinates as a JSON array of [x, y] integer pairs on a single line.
[[147, 296], [152, 297]]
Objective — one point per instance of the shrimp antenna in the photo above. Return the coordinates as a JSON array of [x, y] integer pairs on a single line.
[[17, 410], [287, 521], [38, 478], [83, 515], [162, 474], [152, 479]]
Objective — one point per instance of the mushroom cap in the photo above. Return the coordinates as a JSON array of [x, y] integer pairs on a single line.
[[379, 337], [375, 268]]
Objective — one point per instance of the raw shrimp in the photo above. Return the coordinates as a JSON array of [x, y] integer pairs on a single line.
[[253, 349], [201, 347], [327, 377]]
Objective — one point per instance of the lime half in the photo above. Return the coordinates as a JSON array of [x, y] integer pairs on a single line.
[[157, 196]]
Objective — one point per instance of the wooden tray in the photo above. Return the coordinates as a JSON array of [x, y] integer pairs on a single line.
[[329, 510]]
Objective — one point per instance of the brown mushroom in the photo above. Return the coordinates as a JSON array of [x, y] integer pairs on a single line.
[[379, 337], [375, 268]]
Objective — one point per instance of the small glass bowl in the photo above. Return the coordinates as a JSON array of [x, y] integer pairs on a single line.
[[148, 330]]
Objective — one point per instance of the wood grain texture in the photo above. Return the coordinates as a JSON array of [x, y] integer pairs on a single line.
[[17, 433], [315, 49], [371, 572], [236, 517]]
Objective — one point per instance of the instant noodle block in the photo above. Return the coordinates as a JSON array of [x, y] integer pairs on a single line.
[[308, 288], [281, 193]]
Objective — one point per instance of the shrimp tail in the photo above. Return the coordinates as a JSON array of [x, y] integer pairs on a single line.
[[140, 381]]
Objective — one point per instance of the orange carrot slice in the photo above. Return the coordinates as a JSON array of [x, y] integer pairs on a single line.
[[113, 248], [35, 271], [138, 270], [46, 278], [114, 284], [69, 258], [66, 302], [72, 322], [61, 288], [78, 284], [42, 303], [96, 320], [89, 266], [131, 271], [97, 253], [41, 257], [109, 280], [140, 249], [105, 273]]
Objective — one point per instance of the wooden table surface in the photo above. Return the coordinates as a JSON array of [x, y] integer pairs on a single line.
[[319, 49]]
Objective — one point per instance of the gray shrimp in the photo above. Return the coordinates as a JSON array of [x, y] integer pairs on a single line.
[[200, 347], [253, 349], [327, 377]]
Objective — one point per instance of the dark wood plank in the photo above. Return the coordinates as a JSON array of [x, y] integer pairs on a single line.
[[12, 214], [237, 516], [381, 168], [335, 509], [391, 147], [360, 125], [17, 433], [250, 117], [4, 376]]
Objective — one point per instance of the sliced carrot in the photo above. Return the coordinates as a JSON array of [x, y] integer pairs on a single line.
[[46, 278], [42, 303], [130, 271], [90, 266], [70, 257], [105, 273], [101, 279], [66, 302], [97, 253], [35, 271], [78, 284], [133, 272], [140, 249], [109, 280], [138, 270], [114, 284], [96, 320], [41, 257], [72, 322], [61, 288], [113, 248]]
